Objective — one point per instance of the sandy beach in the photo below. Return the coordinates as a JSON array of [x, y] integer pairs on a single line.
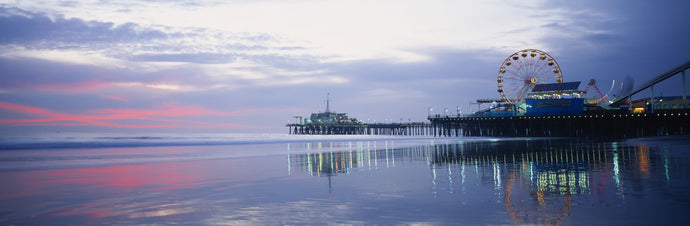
[[436, 181]]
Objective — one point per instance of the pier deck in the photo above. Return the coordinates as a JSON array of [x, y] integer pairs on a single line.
[[400, 129], [590, 124]]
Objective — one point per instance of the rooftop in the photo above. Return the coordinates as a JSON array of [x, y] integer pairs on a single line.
[[553, 87]]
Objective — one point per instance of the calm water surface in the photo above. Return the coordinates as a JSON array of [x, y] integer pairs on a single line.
[[397, 181]]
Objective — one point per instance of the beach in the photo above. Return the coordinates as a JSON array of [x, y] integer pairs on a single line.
[[344, 180]]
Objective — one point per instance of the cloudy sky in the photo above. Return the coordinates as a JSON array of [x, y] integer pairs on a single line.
[[249, 66]]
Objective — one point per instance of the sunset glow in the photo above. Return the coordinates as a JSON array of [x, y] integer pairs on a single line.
[[104, 117], [72, 65]]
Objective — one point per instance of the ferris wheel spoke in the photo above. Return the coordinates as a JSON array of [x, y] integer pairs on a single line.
[[513, 70], [510, 77], [515, 73], [545, 71], [541, 70], [544, 67], [519, 95], [523, 66], [517, 68], [513, 90], [555, 76], [518, 63], [543, 74], [534, 63]]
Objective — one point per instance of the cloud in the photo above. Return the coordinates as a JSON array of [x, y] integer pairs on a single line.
[[117, 98], [66, 87], [30, 27], [379, 59], [386, 95], [66, 56], [201, 58], [166, 116], [207, 56], [285, 45], [330, 31], [93, 86], [40, 35], [168, 110]]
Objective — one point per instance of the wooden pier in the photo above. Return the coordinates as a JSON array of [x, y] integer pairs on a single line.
[[589, 124], [612, 124], [396, 129]]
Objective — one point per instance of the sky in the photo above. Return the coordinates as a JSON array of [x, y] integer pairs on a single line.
[[250, 66]]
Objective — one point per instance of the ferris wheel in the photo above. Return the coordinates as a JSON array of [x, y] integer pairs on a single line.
[[522, 70]]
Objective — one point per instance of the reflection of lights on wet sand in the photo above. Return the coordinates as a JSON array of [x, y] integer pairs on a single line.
[[668, 179], [497, 175], [312, 211], [164, 210], [616, 170], [113, 207], [643, 160], [541, 183]]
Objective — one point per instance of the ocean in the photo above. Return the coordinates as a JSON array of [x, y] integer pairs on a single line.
[[250, 179]]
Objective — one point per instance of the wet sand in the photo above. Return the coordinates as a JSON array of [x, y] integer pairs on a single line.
[[449, 181]]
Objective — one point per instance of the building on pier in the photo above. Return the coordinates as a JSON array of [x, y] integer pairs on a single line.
[[328, 117], [544, 99], [660, 103]]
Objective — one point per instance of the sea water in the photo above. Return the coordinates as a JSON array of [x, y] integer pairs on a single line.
[[287, 179]]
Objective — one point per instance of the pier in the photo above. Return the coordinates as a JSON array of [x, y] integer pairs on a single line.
[[539, 109], [619, 124], [393, 129]]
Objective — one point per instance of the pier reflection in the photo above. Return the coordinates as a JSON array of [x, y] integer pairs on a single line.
[[358, 156], [538, 181]]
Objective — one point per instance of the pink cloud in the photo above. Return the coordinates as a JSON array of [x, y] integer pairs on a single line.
[[168, 110], [165, 115], [117, 98], [24, 109]]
